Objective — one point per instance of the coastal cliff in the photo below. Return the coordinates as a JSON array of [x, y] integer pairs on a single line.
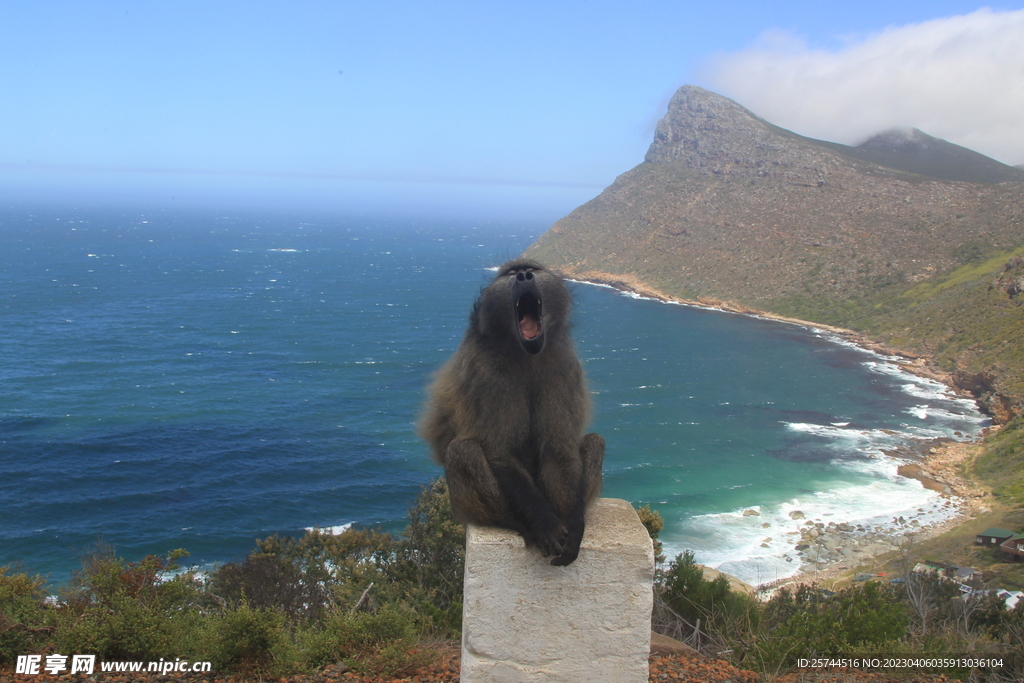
[[907, 238]]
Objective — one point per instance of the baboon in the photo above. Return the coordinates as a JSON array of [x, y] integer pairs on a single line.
[[507, 412]]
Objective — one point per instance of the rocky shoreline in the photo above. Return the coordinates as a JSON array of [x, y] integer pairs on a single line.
[[830, 551], [827, 551]]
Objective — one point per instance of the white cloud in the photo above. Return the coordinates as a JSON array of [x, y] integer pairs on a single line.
[[959, 78]]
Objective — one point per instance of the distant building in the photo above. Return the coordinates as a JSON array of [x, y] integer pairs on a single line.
[[1013, 548], [966, 574], [993, 536], [1010, 598], [949, 571]]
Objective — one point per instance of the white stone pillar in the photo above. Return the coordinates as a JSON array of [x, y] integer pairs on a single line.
[[525, 620]]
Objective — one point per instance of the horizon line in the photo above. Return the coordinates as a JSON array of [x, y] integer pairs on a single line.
[[435, 180]]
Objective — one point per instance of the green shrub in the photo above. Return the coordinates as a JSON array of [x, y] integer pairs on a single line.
[[123, 610], [346, 564], [380, 644], [270, 581], [249, 640], [309, 576], [812, 621], [654, 523], [693, 597], [426, 572], [869, 615], [22, 614]]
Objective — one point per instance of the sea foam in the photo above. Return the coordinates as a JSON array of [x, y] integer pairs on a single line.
[[759, 548], [874, 495]]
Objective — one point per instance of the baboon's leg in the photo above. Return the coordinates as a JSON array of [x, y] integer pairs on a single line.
[[576, 481], [561, 476], [498, 492], [475, 495], [592, 455]]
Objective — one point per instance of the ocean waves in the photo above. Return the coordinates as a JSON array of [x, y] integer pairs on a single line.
[[759, 425], [194, 382], [866, 490]]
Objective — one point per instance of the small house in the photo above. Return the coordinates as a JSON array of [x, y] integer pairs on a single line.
[[1010, 598], [951, 572], [965, 574], [1013, 548], [993, 536]]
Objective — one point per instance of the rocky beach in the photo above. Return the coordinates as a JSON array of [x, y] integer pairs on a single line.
[[828, 551]]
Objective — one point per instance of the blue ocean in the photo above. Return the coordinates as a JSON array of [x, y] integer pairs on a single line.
[[200, 380]]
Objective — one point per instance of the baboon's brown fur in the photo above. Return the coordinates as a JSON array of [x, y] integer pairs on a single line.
[[507, 413]]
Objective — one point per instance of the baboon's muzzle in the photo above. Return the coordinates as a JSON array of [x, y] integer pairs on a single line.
[[528, 309]]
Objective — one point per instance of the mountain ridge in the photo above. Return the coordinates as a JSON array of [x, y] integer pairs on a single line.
[[729, 208], [703, 128]]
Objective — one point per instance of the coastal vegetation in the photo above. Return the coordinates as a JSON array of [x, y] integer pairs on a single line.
[[910, 614], [367, 600], [380, 605]]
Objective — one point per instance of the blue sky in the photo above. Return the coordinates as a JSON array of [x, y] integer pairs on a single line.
[[481, 109]]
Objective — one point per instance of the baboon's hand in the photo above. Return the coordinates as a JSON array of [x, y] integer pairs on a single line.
[[571, 547], [568, 556], [550, 534]]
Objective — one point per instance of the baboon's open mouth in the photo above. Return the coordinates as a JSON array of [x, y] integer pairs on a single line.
[[528, 314]]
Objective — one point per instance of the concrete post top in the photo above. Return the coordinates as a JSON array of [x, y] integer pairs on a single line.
[[611, 523]]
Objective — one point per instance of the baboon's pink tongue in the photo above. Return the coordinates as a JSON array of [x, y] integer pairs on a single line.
[[529, 327]]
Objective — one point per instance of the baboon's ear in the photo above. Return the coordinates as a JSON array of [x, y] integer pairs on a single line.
[[475, 317], [491, 308], [482, 314]]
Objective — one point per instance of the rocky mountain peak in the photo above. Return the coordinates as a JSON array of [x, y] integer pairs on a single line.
[[898, 139], [702, 129], [716, 136]]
